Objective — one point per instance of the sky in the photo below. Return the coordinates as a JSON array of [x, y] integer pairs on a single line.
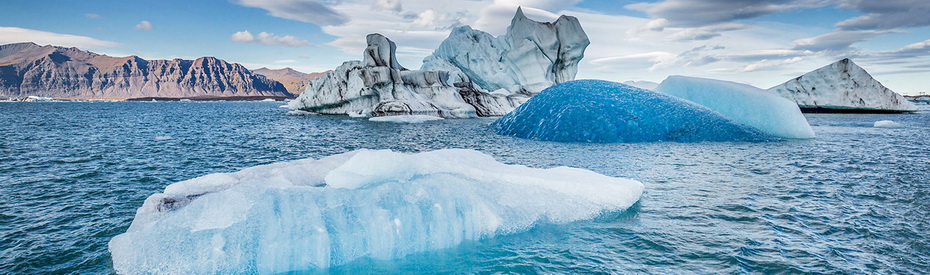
[[762, 43]]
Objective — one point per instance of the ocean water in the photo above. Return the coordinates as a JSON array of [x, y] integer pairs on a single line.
[[854, 200]]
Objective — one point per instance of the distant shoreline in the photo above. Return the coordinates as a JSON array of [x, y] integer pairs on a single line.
[[212, 98]]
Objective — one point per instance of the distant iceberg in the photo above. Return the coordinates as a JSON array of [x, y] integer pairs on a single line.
[[307, 214], [842, 87], [603, 111], [742, 103]]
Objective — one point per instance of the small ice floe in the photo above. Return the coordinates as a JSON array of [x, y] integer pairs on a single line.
[[887, 124], [406, 118], [284, 106], [300, 113], [163, 137], [361, 113], [39, 99]]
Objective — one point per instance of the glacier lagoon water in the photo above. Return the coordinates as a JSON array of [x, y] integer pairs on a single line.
[[855, 199]]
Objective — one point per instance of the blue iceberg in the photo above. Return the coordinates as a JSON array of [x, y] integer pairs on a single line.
[[604, 111], [308, 214], [748, 105]]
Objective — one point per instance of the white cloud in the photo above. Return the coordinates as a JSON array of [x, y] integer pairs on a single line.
[[144, 25], [243, 36], [837, 40], [16, 35], [417, 30], [392, 5], [886, 14], [705, 32], [269, 39], [919, 49], [766, 64], [427, 18], [699, 13], [309, 11], [92, 16]]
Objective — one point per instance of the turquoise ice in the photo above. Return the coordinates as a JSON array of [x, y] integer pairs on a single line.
[[604, 111]]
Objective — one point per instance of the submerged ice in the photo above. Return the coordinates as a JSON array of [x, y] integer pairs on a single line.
[[742, 103], [308, 214], [603, 111]]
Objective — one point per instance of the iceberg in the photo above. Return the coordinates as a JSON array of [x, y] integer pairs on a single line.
[[307, 214], [379, 86], [406, 118], [530, 57], [887, 124], [742, 103], [603, 111], [842, 87], [471, 74]]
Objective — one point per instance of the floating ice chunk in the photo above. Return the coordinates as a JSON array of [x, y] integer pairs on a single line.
[[887, 124], [307, 214], [742, 103], [300, 113], [405, 118], [603, 111]]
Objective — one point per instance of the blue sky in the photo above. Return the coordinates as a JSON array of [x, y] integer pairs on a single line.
[[762, 43]]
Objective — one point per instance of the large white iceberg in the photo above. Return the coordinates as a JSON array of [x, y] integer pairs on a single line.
[[530, 57], [471, 73], [603, 111], [842, 87], [378, 86], [742, 103], [307, 214]]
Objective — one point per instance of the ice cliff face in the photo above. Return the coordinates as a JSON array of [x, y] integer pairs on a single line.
[[471, 73], [27, 69], [842, 86]]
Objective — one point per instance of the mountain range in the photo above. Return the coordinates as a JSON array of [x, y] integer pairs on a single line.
[[293, 80], [28, 69]]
